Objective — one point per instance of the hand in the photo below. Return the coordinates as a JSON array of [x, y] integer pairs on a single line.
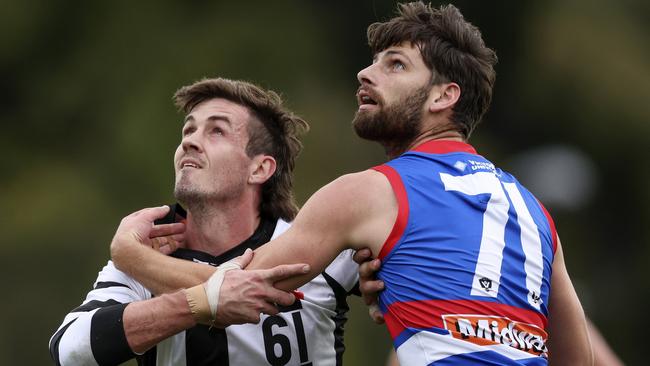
[[166, 238], [139, 228], [246, 294], [369, 285]]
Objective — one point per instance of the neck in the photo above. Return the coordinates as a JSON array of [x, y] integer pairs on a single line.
[[441, 133], [216, 227]]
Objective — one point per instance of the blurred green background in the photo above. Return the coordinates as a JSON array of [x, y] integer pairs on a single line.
[[89, 130]]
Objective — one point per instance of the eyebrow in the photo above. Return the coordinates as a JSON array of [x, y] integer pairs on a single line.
[[212, 118], [399, 53]]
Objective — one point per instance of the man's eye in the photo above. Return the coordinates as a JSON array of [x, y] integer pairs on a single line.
[[398, 66], [217, 131], [187, 131]]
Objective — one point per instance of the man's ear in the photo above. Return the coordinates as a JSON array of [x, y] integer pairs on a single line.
[[262, 168], [443, 96]]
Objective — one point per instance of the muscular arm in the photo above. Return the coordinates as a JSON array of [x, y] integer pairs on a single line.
[[350, 212], [355, 211], [568, 340], [157, 272]]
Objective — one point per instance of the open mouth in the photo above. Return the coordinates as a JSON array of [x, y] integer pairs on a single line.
[[365, 98], [189, 163]]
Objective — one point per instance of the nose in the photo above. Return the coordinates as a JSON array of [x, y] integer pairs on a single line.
[[365, 76], [190, 142]]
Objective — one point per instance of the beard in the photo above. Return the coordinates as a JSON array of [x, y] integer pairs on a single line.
[[201, 199], [187, 196], [190, 197], [395, 125]]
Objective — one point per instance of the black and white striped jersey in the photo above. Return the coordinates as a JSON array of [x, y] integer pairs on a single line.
[[310, 332]]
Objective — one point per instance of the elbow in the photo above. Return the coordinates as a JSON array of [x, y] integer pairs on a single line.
[[69, 347], [72, 354]]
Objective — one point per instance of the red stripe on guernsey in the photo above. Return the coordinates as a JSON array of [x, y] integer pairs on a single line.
[[444, 147], [402, 208], [428, 313], [551, 224]]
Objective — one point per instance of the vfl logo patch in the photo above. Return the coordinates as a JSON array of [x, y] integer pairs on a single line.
[[535, 297], [488, 330], [486, 283]]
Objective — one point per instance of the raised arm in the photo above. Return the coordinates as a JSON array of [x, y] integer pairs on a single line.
[[568, 340], [355, 211]]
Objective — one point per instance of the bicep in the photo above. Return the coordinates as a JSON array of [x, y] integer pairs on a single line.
[[319, 233]]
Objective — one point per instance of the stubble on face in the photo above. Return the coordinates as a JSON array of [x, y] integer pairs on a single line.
[[395, 125], [187, 194], [201, 200]]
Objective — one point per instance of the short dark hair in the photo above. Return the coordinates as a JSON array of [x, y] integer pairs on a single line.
[[452, 48], [274, 131]]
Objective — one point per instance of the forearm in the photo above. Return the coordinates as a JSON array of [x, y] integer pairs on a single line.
[[157, 272], [148, 322], [604, 355]]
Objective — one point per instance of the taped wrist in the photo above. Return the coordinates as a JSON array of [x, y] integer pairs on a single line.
[[198, 302], [204, 299]]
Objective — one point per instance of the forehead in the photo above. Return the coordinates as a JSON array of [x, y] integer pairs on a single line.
[[219, 108]]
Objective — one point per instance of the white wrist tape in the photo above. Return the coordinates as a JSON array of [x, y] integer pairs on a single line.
[[213, 285]]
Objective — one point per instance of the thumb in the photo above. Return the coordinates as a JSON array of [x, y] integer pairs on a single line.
[[244, 259]]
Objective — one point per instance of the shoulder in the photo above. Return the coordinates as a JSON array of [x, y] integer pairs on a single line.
[[366, 186], [362, 205], [111, 280], [352, 197]]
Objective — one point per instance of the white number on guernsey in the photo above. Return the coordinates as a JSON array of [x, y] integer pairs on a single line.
[[487, 275]]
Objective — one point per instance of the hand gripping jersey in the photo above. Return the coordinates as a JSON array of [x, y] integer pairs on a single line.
[[467, 266], [308, 333]]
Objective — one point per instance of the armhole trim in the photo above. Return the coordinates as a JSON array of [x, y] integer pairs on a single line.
[[402, 209], [551, 223]]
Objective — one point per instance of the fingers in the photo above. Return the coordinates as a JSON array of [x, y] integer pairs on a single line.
[[369, 285], [151, 213], [167, 244], [167, 229], [284, 271], [375, 314], [368, 270], [244, 259], [362, 255], [370, 290], [270, 309], [280, 297]]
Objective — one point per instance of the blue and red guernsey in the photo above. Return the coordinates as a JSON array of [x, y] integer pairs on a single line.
[[467, 266]]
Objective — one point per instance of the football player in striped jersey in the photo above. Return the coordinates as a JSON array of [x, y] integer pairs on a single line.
[[234, 169]]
